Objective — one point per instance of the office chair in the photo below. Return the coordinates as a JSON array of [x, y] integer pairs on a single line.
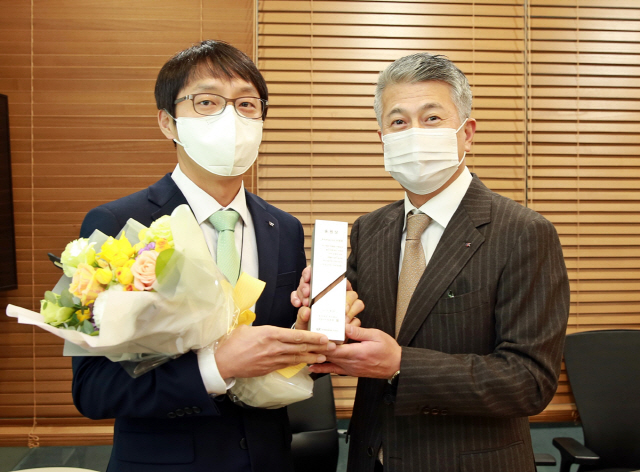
[[604, 372], [315, 430]]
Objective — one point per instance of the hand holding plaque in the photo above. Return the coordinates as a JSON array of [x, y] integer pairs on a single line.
[[328, 296]]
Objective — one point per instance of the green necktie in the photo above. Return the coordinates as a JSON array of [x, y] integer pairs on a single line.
[[228, 259]]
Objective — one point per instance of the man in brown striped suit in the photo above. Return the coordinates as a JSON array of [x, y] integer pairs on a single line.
[[454, 357]]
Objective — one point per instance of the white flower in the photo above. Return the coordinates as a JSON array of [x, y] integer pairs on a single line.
[[98, 310], [77, 252]]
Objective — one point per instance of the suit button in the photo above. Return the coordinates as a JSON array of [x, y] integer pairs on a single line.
[[243, 443], [188, 410], [179, 412], [370, 451], [388, 398], [171, 414], [196, 410], [426, 410], [435, 411], [444, 412]]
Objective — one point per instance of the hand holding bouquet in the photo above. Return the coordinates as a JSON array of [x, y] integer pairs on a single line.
[[155, 291]]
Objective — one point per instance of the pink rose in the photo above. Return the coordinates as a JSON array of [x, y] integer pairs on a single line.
[[144, 270]]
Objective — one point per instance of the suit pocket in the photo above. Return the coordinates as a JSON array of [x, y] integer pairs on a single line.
[[468, 320], [513, 457], [155, 448], [453, 303], [286, 279]]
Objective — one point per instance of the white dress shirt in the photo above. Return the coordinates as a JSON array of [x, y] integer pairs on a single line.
[[440, 209], [203, 206]]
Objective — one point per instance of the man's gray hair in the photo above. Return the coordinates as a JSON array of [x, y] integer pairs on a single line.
[[422, 67]]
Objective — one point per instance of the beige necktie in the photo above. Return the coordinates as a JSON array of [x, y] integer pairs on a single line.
[[413, 264]]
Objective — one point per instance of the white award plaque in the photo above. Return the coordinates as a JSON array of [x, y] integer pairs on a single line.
[[328, 278]]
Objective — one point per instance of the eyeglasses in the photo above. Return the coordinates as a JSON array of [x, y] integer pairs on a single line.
[[209, 104]]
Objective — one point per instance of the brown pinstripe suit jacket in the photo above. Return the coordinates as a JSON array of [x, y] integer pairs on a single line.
[[481, 342]]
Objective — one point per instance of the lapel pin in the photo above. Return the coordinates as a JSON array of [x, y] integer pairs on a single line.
[[468, 244], [450, 294], [271, 223]]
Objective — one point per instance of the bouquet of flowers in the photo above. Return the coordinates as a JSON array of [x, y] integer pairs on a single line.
[[119, 266], [152, 294]]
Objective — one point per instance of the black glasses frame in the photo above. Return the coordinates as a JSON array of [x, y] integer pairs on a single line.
[[265, 104]]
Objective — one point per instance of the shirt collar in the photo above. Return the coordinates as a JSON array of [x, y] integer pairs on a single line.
[[442, 207], [204, 205]]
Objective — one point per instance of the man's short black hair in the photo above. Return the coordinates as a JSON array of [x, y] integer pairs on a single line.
[[213, 58]]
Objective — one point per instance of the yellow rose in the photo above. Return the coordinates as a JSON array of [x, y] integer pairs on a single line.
[[124, 275], [116, 251], [162, 244], [102, 263], [83, 315], [104, 276], [84, 284]]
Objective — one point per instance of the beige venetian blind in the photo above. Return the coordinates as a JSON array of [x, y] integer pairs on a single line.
[[80, 76], [584, 149], [321, 156]]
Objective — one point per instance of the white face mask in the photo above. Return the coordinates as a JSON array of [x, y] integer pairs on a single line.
[[420, 159], [225, 144]]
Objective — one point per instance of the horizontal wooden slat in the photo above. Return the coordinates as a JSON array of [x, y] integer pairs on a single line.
[[18, 436]]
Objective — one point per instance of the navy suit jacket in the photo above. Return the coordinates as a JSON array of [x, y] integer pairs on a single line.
[[165, 420]]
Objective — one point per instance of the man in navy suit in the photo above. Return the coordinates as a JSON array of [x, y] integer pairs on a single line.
[[212, 101]]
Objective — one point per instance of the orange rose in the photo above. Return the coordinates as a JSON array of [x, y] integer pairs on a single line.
[[84, 284], [144, 270]]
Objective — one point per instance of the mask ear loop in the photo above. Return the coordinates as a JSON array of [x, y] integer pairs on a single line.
[[459, 128], [464, 154], [176, 122]]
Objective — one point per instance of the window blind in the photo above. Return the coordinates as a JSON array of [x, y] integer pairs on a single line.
[[583, 155], [555, 96], [321, 157]]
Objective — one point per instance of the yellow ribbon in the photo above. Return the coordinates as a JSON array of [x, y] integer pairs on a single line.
[[245, 294]]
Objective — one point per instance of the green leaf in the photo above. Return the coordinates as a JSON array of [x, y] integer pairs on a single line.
[[66, 299], [163, 260], [73, 321], [51, 297], [87, 327]]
